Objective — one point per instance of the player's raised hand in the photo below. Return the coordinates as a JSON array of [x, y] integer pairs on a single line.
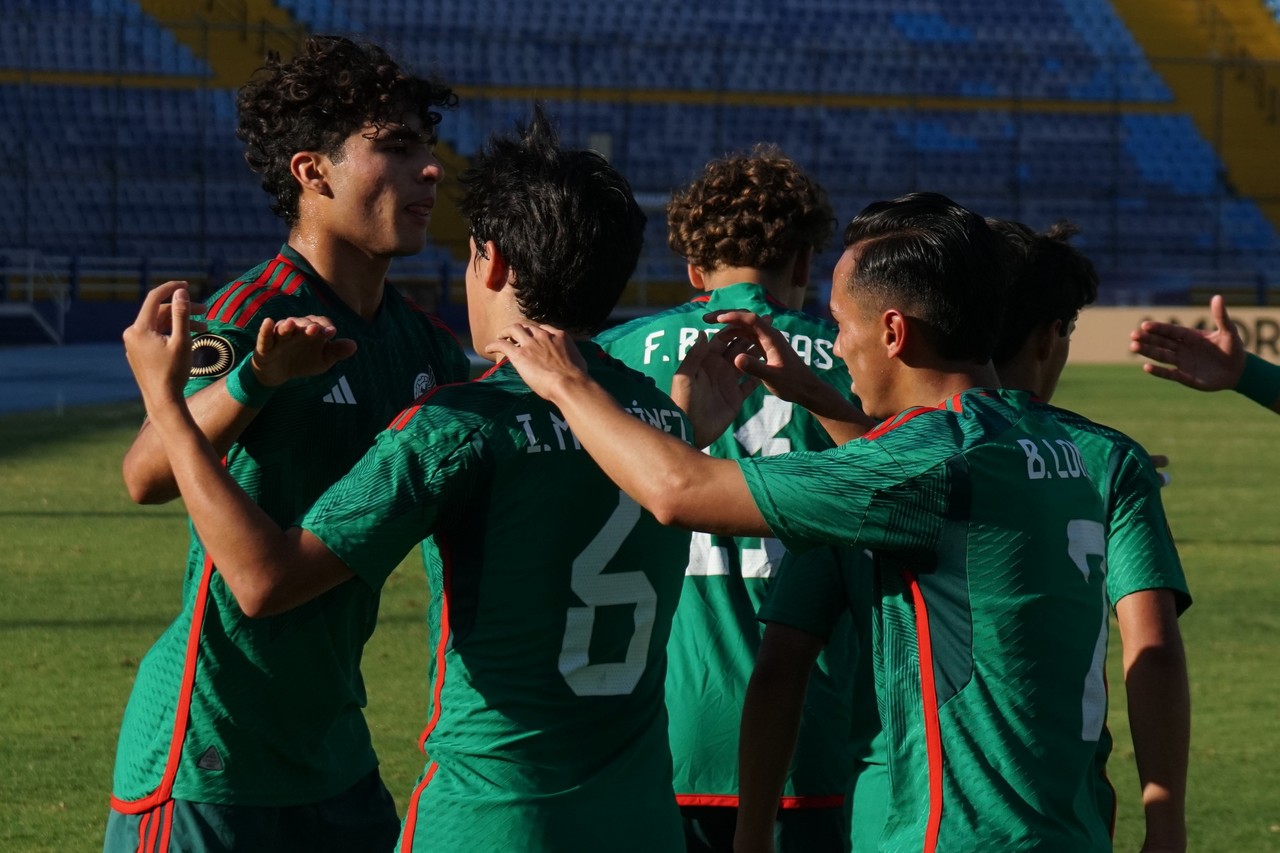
[[771, 359], [158, 343], [546, 357], [297, 346], [709, 388], [1206, 361]]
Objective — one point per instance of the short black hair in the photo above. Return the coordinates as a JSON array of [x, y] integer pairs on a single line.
[[940, 263], [1049, 279], [565, 220], [316, 100]]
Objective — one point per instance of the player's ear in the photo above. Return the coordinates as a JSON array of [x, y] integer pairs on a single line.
[[1044, 337], [800, 271], [696, 278], [496, 273], [894, 330], [311, 170]]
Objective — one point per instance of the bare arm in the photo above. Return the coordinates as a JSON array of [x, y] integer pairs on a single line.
[[219, 417], [217, 414], [771, 715], [1155, 675], [676, 483], [1207, 361], [268, 570]]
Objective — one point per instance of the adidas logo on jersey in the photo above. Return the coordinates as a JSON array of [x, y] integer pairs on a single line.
[[341, 393]]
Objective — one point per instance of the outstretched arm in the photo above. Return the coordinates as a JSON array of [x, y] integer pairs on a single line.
[[1155, 678], [1207, 361], [771, 715], [268, 570], [221, 412], [786, 375], [669, 478]]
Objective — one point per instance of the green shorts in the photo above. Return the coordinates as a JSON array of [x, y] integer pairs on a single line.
[[709, 829], [362, 819]]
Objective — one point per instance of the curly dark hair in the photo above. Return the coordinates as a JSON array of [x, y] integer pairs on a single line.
[[315, 101], [565, 220], [941, 263], [755, 210], [1049, 279]]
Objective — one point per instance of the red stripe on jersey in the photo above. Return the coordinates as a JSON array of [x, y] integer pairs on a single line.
[[441, 641], [411, 814], [226, 308], [288, 285], [895, 422], [929, 700], [834, 801], [183, 712], [221, 301], [956, 404]]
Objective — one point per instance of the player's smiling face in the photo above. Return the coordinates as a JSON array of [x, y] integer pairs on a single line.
[[384, 188]]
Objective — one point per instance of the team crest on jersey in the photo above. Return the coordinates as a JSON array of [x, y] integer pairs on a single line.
[[424, 383], [210, 356]]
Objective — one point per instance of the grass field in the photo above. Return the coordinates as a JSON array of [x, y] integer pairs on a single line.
[[88, 580]]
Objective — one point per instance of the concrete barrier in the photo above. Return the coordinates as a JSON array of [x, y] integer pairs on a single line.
[[1102, 334]]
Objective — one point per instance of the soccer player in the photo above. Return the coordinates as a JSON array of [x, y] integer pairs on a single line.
[[245, 733], [748, 227], [552, 593], [1208, 361], [987, 536], [1051, 281]]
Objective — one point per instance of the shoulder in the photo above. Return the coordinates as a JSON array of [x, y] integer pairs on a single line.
[[271, 289], [650, 322]]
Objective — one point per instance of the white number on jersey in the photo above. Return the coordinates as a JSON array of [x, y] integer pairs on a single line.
[[597, 589], [1085, 539]]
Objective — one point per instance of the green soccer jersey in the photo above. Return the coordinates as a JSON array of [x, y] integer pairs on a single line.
[[716, 634], [552, 599], [989, 636], [268, 712], [1140, 550]]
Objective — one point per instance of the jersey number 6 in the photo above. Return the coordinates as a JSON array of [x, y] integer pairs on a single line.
[[616, 678]]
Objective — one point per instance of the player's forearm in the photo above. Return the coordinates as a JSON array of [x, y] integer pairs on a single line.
[[666, 476], [221, 419], [253, 555], [771, 715], [1159, 711]]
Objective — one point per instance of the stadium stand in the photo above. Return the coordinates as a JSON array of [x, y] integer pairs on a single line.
[[120, 163]]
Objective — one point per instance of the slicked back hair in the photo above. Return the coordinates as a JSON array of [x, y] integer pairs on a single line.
[[565, 220], [939, 263], [316, 100], [1049, 279]]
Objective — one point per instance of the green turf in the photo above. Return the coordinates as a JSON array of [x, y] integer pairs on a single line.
[[88, 580]]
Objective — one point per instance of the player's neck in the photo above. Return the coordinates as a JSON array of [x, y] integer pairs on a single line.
[[777, 284], [933, 385], [357, 277], [1021, 377]]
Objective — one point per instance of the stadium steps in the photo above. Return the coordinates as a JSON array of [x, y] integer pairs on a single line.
[[1235, 105], [237, 36]]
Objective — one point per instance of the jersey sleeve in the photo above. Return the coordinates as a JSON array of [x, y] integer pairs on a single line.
[[396, 495], [857, 495], [1141, 554], [808, 593], [218, 349]]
